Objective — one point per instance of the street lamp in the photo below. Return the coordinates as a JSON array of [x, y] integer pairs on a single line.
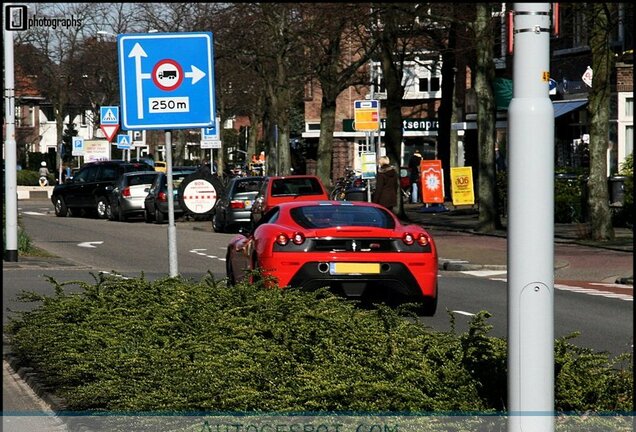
[[105, 33]]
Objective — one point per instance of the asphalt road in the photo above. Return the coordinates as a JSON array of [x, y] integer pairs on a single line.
[[130, 248]]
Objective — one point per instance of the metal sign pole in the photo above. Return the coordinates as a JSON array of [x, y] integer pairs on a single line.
[[531, 225], [10, 154], [172, 229]]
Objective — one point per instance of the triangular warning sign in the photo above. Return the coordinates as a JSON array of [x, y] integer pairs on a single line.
[[109, 116], [109, 131]]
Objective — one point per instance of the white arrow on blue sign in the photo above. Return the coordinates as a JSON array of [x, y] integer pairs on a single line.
[[166, 80]]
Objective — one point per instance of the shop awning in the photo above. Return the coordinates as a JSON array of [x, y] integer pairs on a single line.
[[565, 106]]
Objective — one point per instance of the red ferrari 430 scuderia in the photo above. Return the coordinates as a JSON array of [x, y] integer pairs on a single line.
[[348, 245]]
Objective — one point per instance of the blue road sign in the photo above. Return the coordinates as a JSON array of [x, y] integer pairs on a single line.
[[211, 133], [123, 142], [109, 115], [366, 104], [78, 146], [166, 80]]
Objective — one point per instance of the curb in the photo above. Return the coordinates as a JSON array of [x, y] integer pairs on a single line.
[[54, 402]]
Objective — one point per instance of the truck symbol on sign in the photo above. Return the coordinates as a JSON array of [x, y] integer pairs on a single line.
[[168, 74]]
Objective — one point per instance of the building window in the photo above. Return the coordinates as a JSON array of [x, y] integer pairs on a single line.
[[435, 84], [629, 140], [423, 84], [629, 107]]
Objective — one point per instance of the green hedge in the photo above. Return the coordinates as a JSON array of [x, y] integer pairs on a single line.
[[180, 345], [31, 178]]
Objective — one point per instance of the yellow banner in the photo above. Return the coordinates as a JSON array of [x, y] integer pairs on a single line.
[[462, 186]]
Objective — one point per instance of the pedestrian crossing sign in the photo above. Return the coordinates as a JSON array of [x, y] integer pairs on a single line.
[[123, 142], [109, 115]]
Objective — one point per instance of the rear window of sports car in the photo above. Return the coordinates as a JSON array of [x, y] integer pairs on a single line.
[[322, 216]]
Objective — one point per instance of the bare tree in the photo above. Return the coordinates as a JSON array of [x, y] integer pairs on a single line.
[[337, 47], [600, 20], [50, 53], [265, 39], [485, 74]]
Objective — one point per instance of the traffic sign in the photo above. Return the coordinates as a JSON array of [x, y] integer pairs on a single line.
[[367, 115], [166, 80], [123, 142], [211, 133], [109, 115], [109, 131], [78, 146]]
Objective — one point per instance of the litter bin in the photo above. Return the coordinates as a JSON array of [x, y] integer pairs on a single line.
[[617, 190]]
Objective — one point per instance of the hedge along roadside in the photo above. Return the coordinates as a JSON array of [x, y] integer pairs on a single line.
[[181, 345]]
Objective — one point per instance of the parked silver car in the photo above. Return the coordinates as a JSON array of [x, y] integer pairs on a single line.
[[233, 208], [128, 195]]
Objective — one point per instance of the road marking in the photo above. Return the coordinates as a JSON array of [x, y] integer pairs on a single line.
[[90, 244], [199, 252], [620, 291], [114, 275], [484, 273], [463, 313], [34, 213]]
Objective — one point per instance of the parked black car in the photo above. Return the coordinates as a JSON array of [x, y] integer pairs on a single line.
[[88, 191], [156, 202], [234, 206]]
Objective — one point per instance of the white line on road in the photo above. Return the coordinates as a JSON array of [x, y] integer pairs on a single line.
[[463, 313], [484, 273]]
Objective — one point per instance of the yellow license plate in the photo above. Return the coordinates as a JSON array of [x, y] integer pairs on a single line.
[[354, 268]]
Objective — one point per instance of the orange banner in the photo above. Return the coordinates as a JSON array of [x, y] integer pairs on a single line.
[[432, 181]]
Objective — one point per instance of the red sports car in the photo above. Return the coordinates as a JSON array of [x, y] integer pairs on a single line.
[[348, 245]]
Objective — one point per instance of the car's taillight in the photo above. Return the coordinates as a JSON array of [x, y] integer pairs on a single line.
[[408, 239], [237, 204], [357, 183], [282, 239], [298, 238], [125, 192], [162, 196], [423, 240]]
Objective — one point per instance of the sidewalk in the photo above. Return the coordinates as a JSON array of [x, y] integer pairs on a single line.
[[462, 247]]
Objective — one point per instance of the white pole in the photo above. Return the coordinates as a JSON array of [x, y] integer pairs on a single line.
[[531, 226], [10, 149], [172, 229]]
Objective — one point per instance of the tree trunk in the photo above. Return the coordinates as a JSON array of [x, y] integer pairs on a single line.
[[488, 215], [598, 109], [445, 110], [393, 131], [325, 142]]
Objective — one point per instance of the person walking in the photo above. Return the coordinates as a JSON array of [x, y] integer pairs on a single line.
[[387, 183], [414, 175]]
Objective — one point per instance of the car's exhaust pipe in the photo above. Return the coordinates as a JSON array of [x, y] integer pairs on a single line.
[[323, 267]]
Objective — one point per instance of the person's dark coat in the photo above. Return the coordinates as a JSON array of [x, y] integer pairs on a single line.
[[414, 167], [386, 187]]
